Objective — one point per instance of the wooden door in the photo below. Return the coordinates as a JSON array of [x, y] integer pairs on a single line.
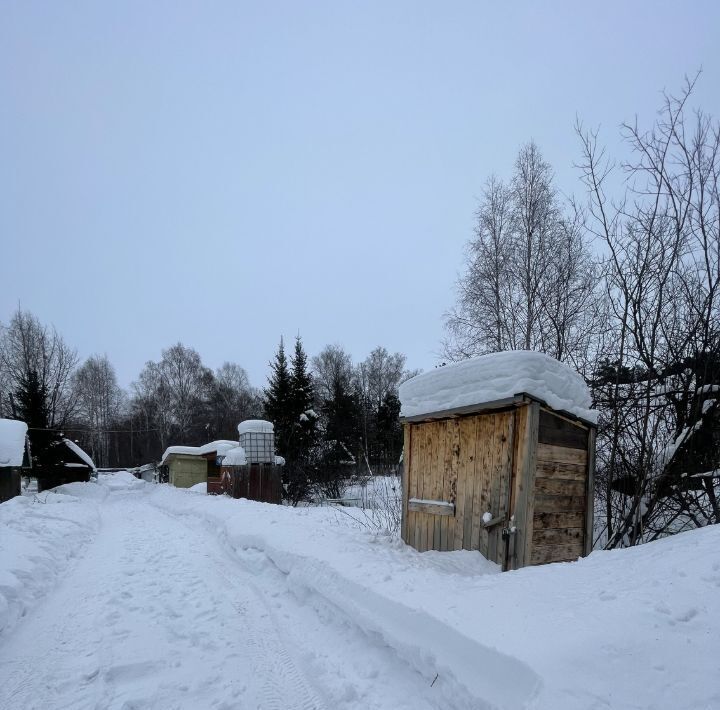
[[459, 469]]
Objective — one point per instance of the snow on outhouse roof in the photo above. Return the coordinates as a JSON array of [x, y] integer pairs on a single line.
[[220, 447], [235, 457], [82, 455], [256, 426], [498, 376], [12, 442]]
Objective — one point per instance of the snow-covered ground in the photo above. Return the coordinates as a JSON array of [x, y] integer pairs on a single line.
[[122, 594]]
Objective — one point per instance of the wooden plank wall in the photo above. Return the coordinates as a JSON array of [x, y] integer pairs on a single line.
[[465, 461], [560, 501]]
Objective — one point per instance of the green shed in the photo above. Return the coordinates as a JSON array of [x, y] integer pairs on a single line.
[[185, 466]]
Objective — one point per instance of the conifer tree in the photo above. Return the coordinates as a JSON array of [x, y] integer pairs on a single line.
[[278, 401], [29, 404], [302, 398]]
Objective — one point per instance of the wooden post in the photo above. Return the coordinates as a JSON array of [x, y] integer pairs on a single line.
[[590, 493]]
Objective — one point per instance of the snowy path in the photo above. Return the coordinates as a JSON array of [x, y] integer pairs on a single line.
[[156, 614]]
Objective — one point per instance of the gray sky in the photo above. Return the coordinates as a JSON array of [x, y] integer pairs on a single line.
[[222, 173]]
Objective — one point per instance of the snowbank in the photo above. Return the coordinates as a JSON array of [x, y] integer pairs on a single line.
[[497, 376], [255, 426], [198, 488], [12, 442], [39, 537], [121, 481], [624, 629], [594, 633]]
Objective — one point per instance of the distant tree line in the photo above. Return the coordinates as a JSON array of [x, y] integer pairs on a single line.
[[623, 285], [333, 418]]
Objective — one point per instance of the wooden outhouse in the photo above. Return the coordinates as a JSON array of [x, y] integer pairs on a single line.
[[510, 476]]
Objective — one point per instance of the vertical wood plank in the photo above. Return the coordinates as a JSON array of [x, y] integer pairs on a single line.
[[529, 445], [407, 460], [466, 454], [480, 492], [590, 493], [444, 482], [472, 430], [452, 458], [438, 470], [505, 451], [520, 490], [420, 528]]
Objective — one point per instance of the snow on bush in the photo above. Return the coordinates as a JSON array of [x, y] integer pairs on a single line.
[[497, 376]]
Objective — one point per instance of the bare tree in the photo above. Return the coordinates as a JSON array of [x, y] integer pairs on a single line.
[[232, 400], [27, 346], [657, 452], [331, 366], [529, 282], [99, 400]]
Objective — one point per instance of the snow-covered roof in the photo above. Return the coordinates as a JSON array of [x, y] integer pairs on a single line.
[[498, 376], [178, 450], [12, 442], [79, 453], [257, 426], [221, 446], [235, 457]]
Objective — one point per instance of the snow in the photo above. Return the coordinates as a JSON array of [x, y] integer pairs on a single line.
[[487, 517], [498, 376], [221, 447], [180, 450], [134, 595], [198, 488], [235, 457], [279, 461], [79, 453], [12, 442], [255, 426]]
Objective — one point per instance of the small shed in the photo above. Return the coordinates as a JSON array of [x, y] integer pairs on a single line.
[[71, 464], [499, 457], [184, 466], [13, 448], [252, 470]]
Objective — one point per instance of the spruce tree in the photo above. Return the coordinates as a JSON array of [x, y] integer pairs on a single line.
[[29, 404], [277, 401], [343, 429], [302, 400]]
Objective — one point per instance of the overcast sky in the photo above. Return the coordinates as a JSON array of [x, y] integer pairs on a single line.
[[221, 173]]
